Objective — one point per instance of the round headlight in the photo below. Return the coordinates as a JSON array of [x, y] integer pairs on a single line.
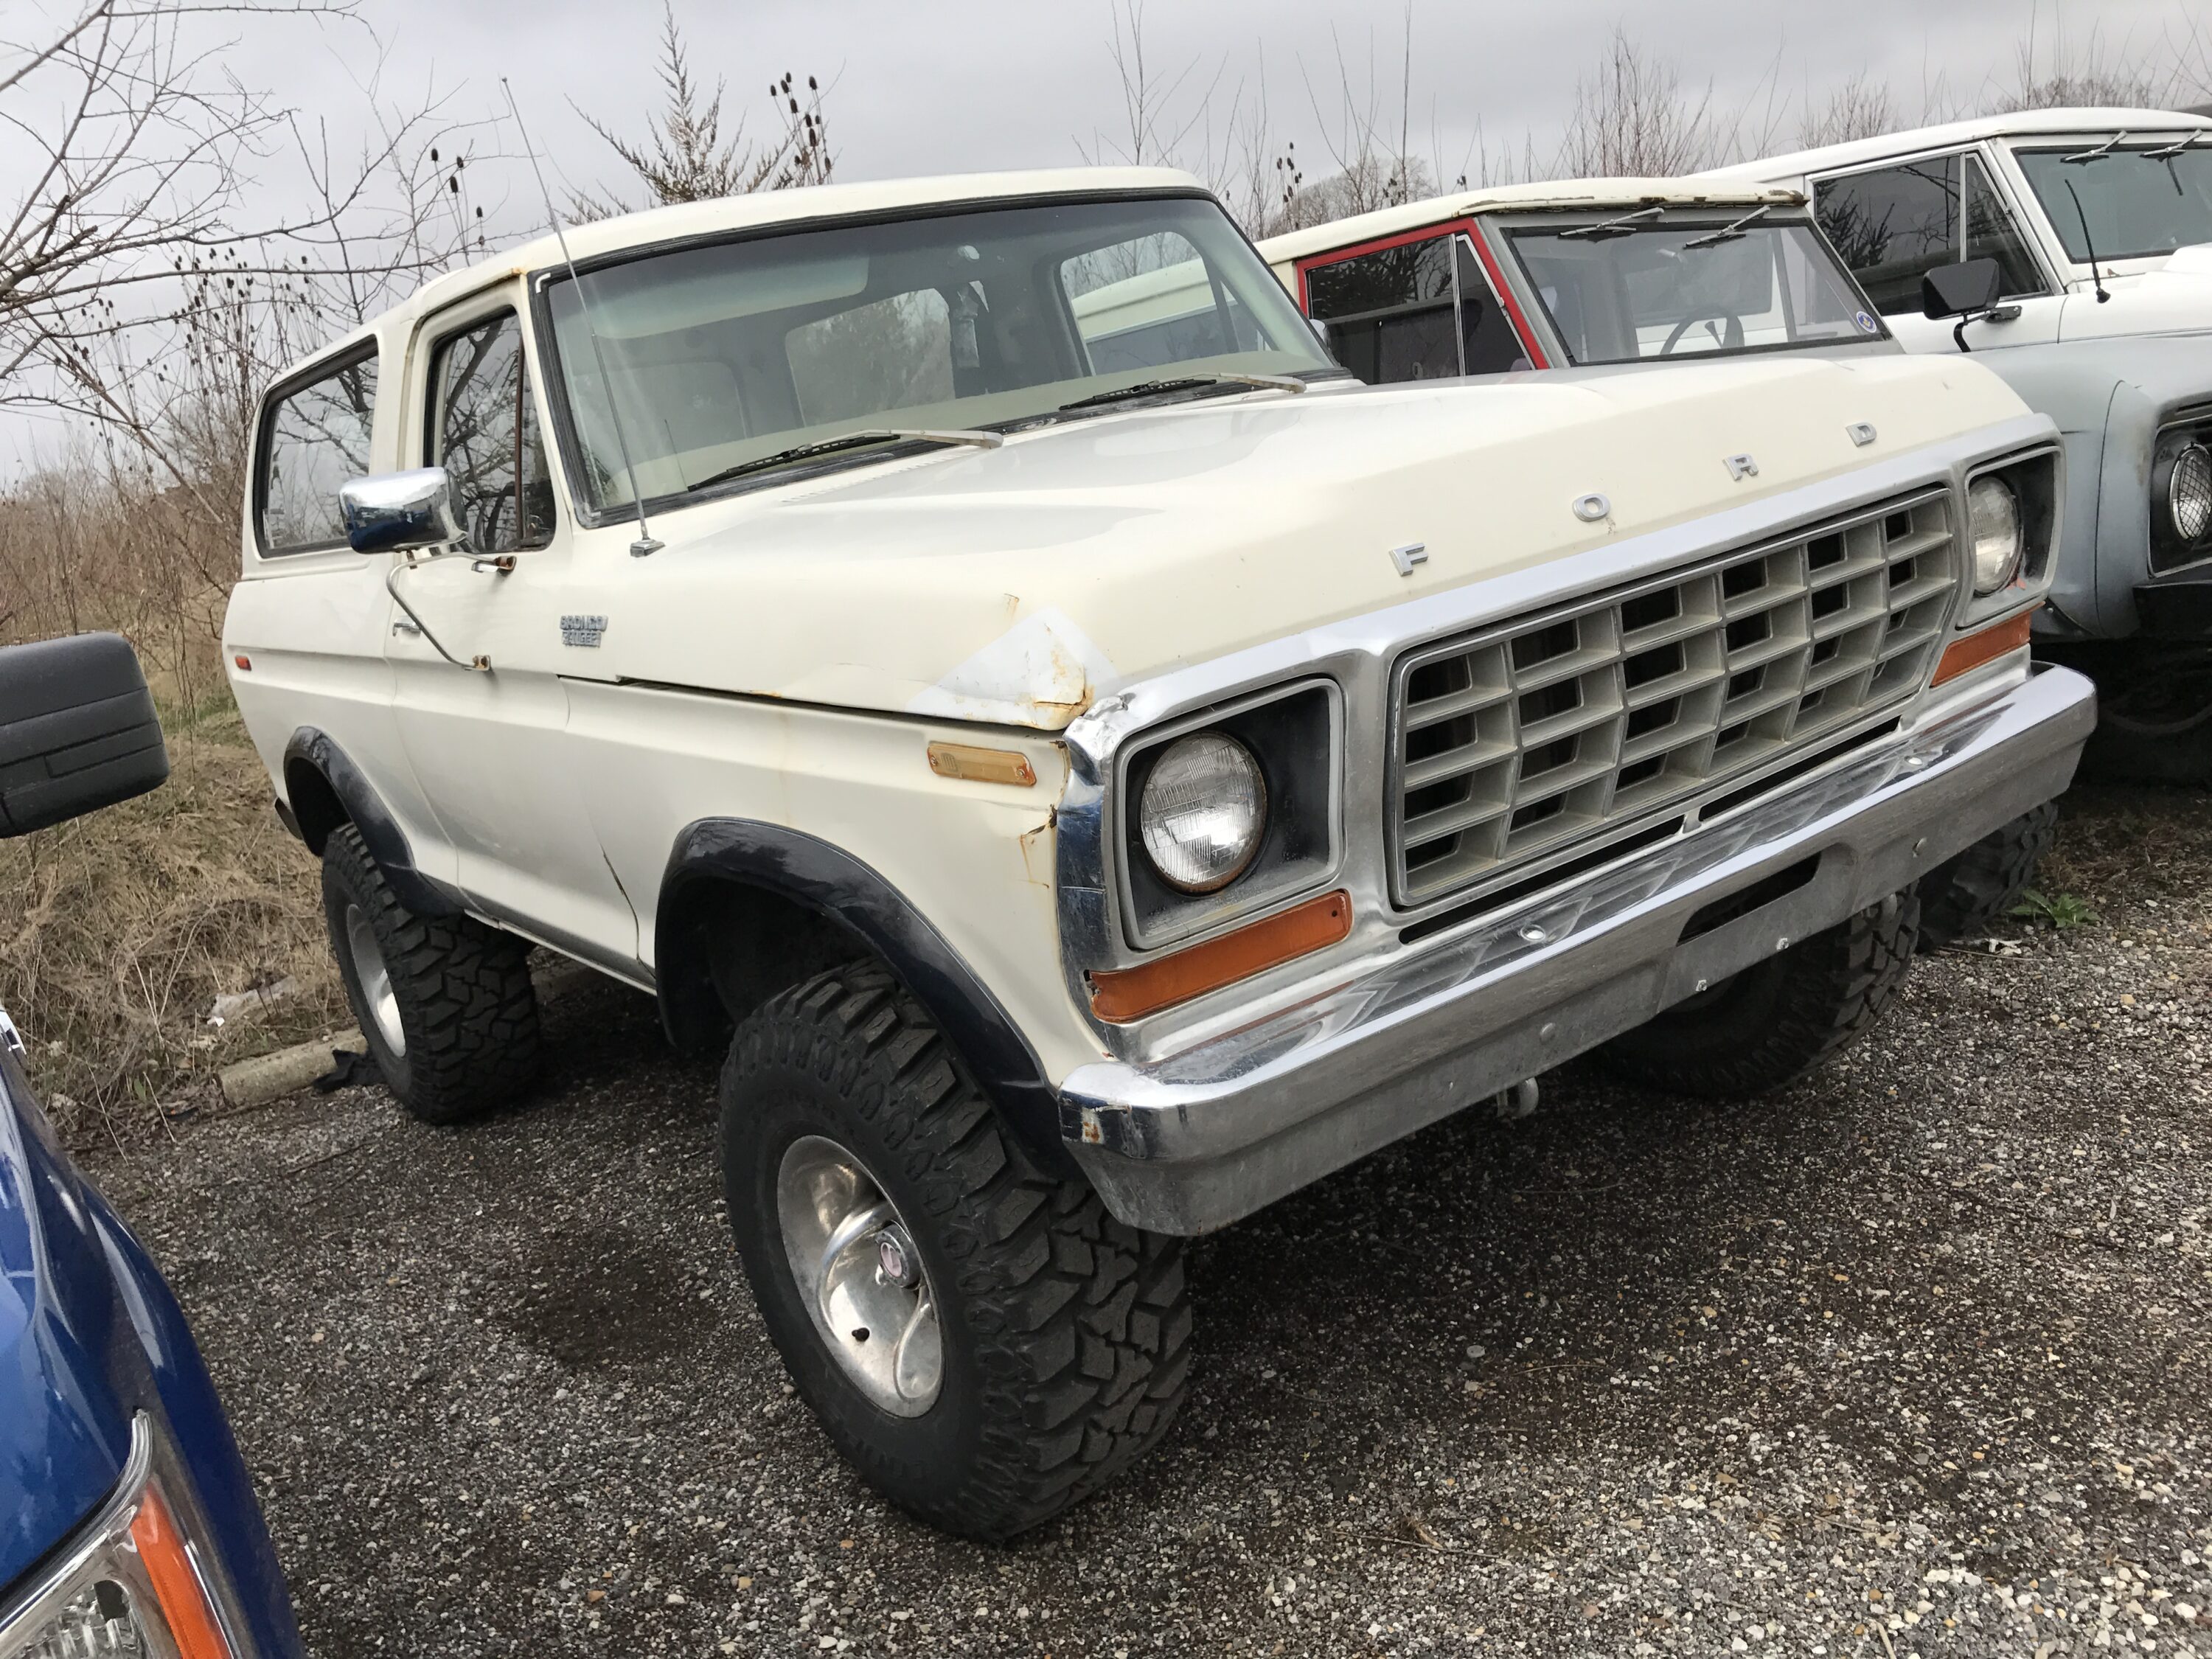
[[2189, 493], [1993, 525], [1202, 810]]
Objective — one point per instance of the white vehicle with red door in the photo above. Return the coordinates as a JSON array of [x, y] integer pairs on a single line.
[[1600, 274], [1091, 765]]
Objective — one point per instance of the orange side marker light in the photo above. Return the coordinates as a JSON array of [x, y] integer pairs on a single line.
[[1121, 994], [1964, 656], [185, 1602]]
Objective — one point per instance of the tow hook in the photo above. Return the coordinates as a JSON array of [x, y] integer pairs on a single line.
[[1517, 1102]]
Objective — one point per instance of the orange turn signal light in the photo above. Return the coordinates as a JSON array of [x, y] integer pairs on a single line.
[[962, 760], [1963, 656], [1121, 994], [184, 1599]]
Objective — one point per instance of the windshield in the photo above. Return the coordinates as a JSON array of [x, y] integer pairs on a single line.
[[734, 352], [2137, 205], [1667, 288]]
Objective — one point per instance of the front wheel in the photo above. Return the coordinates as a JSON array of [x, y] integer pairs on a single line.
[[1763, 1028], [978, 1338]]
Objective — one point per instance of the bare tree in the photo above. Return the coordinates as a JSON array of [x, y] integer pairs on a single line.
[[1861, 107], [684, 157], [2052, 72]]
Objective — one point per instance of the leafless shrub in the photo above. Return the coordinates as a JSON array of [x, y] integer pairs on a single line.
[[1860, 108], [683, 156], [2050, 71]]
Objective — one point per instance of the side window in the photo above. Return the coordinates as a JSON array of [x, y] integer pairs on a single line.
[[1892, 226], [1389, 313], [895, 353], [313, 439], [1488, 341], [1992, 234], [484, 431], [1149, 302]]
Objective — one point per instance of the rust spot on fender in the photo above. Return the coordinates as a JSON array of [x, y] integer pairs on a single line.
[[1038, 851]]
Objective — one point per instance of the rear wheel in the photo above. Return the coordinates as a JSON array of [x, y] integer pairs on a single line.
[[978, 1338], [1966, 896], [1769, 1025], [445, 1003]]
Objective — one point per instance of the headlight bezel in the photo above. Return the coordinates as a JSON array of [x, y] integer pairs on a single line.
[[2170, 549], [2032, 476], [150, 1506], [1295, 734]]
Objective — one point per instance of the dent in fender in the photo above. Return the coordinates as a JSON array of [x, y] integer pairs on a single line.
[[830, 882]]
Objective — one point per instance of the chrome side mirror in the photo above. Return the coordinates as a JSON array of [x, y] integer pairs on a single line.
[[399, 512]]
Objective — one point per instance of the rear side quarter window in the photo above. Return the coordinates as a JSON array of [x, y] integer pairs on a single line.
[[314, 437]]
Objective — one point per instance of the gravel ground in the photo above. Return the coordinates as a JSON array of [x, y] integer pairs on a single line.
[[1911, 1359]]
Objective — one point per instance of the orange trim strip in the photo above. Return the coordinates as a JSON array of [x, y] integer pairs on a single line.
[[176, 1584], [1964, 656], [1121, 994]]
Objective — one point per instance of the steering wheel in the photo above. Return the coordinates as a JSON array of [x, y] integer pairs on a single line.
[[1731, 339]]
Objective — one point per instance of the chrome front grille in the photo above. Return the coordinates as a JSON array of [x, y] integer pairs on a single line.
[[1518, 741]]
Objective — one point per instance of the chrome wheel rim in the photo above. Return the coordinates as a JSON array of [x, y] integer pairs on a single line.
[[859, 1275], [378, 1003]]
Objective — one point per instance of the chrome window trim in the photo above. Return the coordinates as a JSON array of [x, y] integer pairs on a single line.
[[1232, 905], [1357, 653]]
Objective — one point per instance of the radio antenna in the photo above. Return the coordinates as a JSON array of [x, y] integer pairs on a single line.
[[645, 545]]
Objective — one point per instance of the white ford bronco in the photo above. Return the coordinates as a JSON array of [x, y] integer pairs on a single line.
[[1093, 765]]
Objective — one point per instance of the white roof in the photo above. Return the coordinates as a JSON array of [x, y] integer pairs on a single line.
[[1568, 193], [2021, 124], [778, 207]]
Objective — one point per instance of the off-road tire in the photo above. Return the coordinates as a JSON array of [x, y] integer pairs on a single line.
[[466, 1006], [1764, 1028], [1966, 896], [1066, 1333]]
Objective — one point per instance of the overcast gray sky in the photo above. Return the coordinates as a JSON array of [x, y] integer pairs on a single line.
[[924, 88], [984, 84]]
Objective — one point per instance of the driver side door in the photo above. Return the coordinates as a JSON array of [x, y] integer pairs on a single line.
[[490, 747], [1895, 222]]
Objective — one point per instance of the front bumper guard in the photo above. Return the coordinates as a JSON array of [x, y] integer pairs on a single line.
[[1207, 1136]]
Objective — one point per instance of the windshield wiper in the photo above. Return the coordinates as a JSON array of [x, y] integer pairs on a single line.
[[1185, 383], [2167, 152], [2080, 157], [1623, 226], [1730, 233], [850, 441]]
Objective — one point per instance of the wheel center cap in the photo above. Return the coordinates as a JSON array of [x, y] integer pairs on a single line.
[[894, 1259]]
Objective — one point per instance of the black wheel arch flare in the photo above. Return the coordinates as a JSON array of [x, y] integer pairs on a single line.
[[824, 880], [323, 788]]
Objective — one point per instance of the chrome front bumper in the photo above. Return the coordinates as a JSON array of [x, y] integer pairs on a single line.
[[1196, 1141]]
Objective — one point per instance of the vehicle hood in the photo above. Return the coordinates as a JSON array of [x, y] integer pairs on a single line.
[[64, 1434], [2082, 384], [1017, 586], [2171, 297]]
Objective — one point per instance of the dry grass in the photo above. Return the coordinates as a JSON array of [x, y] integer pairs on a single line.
[[130, 923]]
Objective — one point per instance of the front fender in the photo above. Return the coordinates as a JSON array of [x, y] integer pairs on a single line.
[[831, 883]]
